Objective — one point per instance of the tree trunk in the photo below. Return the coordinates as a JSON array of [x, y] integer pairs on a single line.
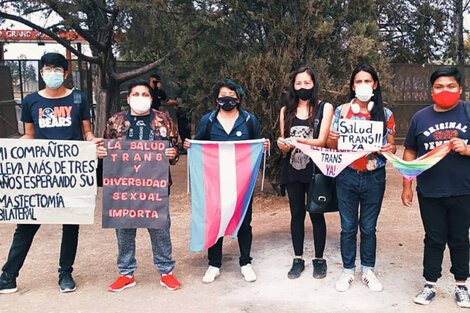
[[458, 24], [107, 94]]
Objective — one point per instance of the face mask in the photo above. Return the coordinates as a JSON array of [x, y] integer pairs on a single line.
[[53, 80], [140, 105], [227, 103], [446, 99], [364, 92], [304, 94]]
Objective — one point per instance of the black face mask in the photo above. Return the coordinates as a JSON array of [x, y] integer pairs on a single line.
[[304, 94], [227, 103]]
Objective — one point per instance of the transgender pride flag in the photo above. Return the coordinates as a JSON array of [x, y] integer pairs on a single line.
[[222, 178]]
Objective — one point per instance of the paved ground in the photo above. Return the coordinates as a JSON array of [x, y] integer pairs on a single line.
[[399, 259]]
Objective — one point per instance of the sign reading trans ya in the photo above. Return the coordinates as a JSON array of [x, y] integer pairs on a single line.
[[47, 181], [135, 184], [360, 135]]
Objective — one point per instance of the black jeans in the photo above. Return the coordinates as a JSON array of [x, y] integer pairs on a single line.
[[23, 239], [297, 192], [184, 127], [446, 220], [245, 237]]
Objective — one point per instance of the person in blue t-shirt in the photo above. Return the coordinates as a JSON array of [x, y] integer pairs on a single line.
[[443, 190], [229, 122], [54, 112]]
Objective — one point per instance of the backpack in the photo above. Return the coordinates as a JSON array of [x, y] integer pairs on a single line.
[[77, 100], [212, 116]]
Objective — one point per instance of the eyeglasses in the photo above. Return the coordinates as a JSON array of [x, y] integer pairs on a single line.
[[49, 69]]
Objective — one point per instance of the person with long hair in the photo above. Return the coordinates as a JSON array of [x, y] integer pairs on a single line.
[[362, 183], [301, 120]]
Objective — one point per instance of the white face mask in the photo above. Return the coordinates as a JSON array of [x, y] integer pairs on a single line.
[[140, 105], [364, 92]]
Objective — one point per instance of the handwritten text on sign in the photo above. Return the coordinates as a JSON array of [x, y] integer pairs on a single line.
[[47, 181], [360, 135], [135, 184]]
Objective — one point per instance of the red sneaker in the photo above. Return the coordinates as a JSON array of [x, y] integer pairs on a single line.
[[122, 283], [169, 281]]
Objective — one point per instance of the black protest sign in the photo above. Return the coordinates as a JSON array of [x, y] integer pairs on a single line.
[[135, 184], [47, 181], [360, 135]]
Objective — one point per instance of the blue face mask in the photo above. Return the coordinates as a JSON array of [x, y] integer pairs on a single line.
[[53, 80]]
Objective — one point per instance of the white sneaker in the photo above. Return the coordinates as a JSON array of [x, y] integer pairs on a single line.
[[344, 282], [211, 274], [248, 273], [371, 281], [462, 296]]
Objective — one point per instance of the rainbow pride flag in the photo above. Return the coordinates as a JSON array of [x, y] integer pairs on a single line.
[[222, 179], [411, 169]]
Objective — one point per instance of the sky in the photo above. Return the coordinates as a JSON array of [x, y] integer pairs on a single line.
[[32, 50]]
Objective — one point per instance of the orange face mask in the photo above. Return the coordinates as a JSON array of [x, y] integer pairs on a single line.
[[446, 99]]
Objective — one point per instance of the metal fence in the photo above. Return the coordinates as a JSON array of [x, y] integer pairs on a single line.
[[412, 92]]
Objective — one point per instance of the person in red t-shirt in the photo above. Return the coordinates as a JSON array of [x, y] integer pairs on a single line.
[[363, 181]]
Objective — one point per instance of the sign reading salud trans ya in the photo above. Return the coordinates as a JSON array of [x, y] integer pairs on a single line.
[[47, 181], [357, 135], [135, 184]]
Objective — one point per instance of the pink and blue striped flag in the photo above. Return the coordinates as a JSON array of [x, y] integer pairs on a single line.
[[222, 178]]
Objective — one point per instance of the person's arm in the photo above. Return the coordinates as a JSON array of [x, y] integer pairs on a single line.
[[172, 152], [390, 146], [280, 143], [324, 129], [89, 136], [407, 192], [27, 119], [28, 131], [333, 135]]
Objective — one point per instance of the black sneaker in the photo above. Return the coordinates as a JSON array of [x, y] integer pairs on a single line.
[[319, 268], [426, 295], [462, 296], [298, 266], [8, 285], [66, 282]]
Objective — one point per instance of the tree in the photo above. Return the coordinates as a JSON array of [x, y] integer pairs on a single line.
[[414, 31], [102, 23], [259, 43], [28, 72]]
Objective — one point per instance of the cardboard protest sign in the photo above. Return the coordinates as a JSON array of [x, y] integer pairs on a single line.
[[135, 184], [47, 181], [360, 135]]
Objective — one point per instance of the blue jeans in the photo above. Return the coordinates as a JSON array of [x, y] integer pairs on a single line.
[[161, 248], [367, 190]]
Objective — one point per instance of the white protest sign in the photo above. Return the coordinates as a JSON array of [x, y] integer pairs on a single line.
[[47, 181], [360, 135]]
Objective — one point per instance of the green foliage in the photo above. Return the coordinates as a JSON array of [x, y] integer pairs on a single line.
[[259, 43]]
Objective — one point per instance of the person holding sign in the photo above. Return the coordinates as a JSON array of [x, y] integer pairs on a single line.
[[444, 189], [229, 122], [301, 120], [363, 181], [54, 112], [141, 122]]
